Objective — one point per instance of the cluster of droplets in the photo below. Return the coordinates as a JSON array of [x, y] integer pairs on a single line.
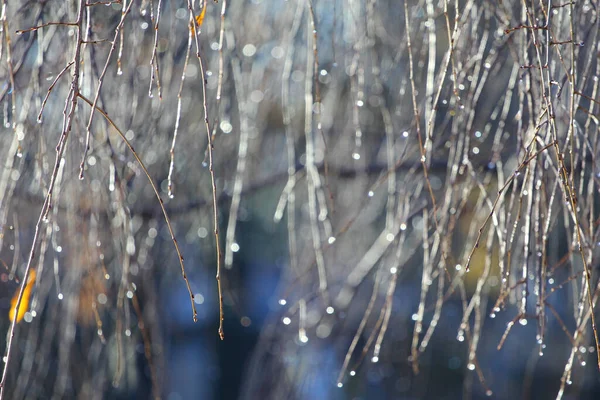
[[494, 311], [540, 341]]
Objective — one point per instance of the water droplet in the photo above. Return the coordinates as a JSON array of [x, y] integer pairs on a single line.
[[340, 385], [356, 156], [282, 302], [375, 359], [489, 393], [352, 373], [371, 194], [471, 366], [60, 296]]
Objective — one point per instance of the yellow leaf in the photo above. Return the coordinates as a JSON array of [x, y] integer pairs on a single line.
[[200, 17], [24, 301]]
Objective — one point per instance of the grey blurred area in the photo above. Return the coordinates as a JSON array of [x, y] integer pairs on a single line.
[[365, 154]]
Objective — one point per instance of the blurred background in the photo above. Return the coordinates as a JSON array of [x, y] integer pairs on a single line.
[[405, 193]]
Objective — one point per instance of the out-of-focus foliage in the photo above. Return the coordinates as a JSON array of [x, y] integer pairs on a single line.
[[405, 196]]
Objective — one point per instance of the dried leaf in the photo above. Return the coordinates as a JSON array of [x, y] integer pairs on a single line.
[[200, 17], [24, 301]]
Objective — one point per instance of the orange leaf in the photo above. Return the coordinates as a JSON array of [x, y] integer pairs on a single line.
[[24, 301], [200, 17]]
